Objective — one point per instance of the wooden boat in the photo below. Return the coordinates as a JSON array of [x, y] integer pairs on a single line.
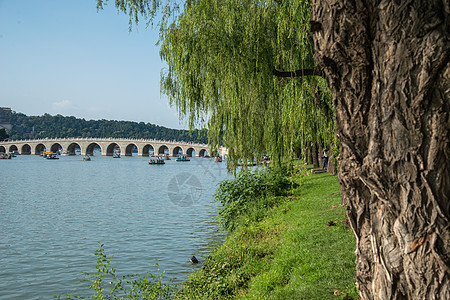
[[52, 156], [5, 156], [248, 163], [156, 161], [218, 159], [86, 158], [183, 158], [46, 153], [65, 153]]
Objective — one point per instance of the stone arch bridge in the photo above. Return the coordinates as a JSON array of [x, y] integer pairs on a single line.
[[107, 146]]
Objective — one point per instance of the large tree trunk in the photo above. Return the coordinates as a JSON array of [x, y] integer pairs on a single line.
[[387, 63]]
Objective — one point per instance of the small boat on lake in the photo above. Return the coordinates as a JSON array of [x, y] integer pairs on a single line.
[[246, 163], [5, 156], [183, 158], [45, 154], [52, 155], [156, 160], [218, 159], [116, 154], [65, 153], [86, 158]]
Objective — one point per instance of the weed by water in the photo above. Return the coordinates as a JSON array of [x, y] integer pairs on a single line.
[[105, 283]]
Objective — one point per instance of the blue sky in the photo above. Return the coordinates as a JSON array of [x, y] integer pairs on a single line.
[[62, 57]]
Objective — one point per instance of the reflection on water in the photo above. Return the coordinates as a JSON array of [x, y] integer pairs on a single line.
[[54, 212]]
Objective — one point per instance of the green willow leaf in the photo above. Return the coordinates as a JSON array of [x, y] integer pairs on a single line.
[[221, 57]]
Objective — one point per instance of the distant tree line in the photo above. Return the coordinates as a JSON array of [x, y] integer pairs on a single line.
[[48, 126], [3, 134]]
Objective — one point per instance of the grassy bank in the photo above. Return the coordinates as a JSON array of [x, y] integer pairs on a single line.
[[289, 250]]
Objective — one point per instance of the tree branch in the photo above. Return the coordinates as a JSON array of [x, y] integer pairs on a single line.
[[299, 73]]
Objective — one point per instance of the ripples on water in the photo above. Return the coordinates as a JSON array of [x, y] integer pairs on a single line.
[[53, 213]]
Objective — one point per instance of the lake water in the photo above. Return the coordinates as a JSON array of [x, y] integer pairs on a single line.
[[53, 213]]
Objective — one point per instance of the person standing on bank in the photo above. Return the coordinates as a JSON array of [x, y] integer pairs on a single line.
[[325, 158]]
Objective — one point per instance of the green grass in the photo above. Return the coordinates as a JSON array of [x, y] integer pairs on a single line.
[[290, 254]]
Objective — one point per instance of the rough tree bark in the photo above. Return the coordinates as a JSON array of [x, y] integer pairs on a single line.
[[387, 63]]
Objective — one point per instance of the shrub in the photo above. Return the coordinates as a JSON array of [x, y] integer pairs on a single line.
[[249, 194]]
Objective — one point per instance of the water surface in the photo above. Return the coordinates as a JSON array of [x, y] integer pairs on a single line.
[[53, 213]]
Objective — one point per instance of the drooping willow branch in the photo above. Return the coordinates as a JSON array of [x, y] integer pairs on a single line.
[[299, 73], [317, 98]]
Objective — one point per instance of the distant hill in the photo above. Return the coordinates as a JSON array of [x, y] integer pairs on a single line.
[[48, 126]]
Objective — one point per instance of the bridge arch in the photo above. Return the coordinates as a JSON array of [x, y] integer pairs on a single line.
[[73, 147], [190, 152], [39, 149], [55, 147], [2, 149], [129, 149], [13, 148], [203, 153], [26, 150], [148, 150], [177, 151], [163, 149], [90, 148], [111, 148]]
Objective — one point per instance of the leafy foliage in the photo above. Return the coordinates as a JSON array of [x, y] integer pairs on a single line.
[[3, 134], [223, 58], [61, 126], [139, 286], [249, 195]]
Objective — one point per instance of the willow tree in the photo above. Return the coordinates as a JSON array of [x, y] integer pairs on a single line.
[[228, 66], [228, 59], [387, 64]]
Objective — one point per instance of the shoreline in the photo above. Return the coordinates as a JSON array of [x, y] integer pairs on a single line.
[[302, 249]]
